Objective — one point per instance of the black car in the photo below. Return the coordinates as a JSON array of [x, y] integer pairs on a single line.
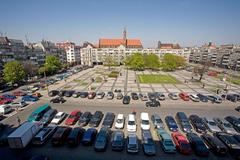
[[231, 143], [61, 93], [69, 93], [183, 121], [85, 118], [53, 93], [202, 97], [237, 108], [83, 94], [102, 139], [197, 145], [234, 121], [198, 123], [108, 120], [60, 136], [237, 137], [152, 96], [153, 103], [89, 136], [58, 100], [215, 145], [232, 97], [171, 123], [75, 136], [126, 99], [96, 119], [134, 96]]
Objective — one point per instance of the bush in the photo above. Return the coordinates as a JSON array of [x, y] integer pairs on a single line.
[[113, 74]]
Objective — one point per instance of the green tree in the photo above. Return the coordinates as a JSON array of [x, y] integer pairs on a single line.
[[171, 62], [52, 64], [13, 72], [135, 61], [109, 61], [151, 61]]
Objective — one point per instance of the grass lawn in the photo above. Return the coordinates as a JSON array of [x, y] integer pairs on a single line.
[[162, 79]]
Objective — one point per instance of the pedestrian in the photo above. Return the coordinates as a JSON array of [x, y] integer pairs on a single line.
[[203, 85], [135, 81], [65, 80], [185, 81], [134, 111], [19, 121]]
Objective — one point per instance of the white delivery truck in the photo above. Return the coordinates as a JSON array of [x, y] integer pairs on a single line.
[[5, 108], [23, 135]]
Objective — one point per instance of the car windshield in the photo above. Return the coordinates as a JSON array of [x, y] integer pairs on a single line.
[[168, 143], [71, 116], [227, 125], [184, 145], [148, 141], [58, 117], [212, 123], [119, 120], [131, 122], [159, 121], [145, 122]]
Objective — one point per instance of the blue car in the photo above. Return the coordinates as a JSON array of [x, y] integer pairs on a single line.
[[89, 136], [171, 123], [30, 98], [202, 97], [8, 96]]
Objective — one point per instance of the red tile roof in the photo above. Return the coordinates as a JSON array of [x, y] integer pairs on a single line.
[[118, 42], [169, 46]]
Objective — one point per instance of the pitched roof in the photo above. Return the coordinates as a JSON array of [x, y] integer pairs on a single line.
[[16, 41], [169, 46], [118, 42]]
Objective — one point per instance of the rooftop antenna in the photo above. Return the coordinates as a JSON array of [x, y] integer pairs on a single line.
[[27, 40], [1, 34]]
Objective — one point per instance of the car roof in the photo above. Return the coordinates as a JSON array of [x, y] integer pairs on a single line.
[[75, 112], [120, 116], [59, 113]]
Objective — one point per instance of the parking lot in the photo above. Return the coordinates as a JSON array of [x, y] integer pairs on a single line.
[[126, 82]]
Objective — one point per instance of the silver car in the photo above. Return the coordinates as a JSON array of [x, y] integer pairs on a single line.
[[143, 96], [132, 143], [225, 125], [100, 95], [211, 125], [173, 96], [157, 121], [18, 104]]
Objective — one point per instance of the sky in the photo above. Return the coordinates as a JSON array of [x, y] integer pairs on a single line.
[[187, 22]]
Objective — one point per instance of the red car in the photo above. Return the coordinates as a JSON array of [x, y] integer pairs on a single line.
[[182, 145], [19, 93], [4, 100], [91, 95], [184, 96], [73, 117]]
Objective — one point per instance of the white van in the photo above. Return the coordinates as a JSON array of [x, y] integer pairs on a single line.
[[131, 125], [145, 125], [5, 108]]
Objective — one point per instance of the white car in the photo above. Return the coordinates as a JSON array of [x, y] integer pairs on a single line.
[[145, 125], [211, 125], [119, 124], [59, 117], [131, 125], [194, 98], [18, 104]]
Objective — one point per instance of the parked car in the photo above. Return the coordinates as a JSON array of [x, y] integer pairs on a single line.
[[237, 108], [214, 144], [19, 93], [85, 118], [237, 137], [126, 99], [58, 100], [166, 141], [48, 116], [171, 123], [211, 125], [83, 94], [182, 144], [202, 97], [173, 96], [53, 93], [232, 97], [145, 125], [8, 96], [75, 136], [5, 109], [160, 96], [134, 96], [184, 96], [143, 96], [60, 136], [152, 96], [231, 143], [102, 139], [44, 135], [91, 95], [61, 93], [100, 95], [89, 136], [5, 101], [214, 99], [132, 143], [110, 95], [198, 123], [119, 124], [69, 93], [153, 103], [37, 94], [225, 126], [157, 121], [108, 120], [58, 118], [194, 98], [131, 125], [183, 121], [76, 94], [119, 95], [73, 117], [234, 121], [17, 105], [148, 145], [118, 140], [30, 98], [96, 119], [197, 145]]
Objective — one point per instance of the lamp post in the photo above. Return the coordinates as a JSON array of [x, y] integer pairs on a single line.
[[45, 77]]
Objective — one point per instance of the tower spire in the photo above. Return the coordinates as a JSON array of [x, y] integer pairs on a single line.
[[125, 36]]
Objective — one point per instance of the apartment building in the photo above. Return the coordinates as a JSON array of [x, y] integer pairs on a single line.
[[72, 51]]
